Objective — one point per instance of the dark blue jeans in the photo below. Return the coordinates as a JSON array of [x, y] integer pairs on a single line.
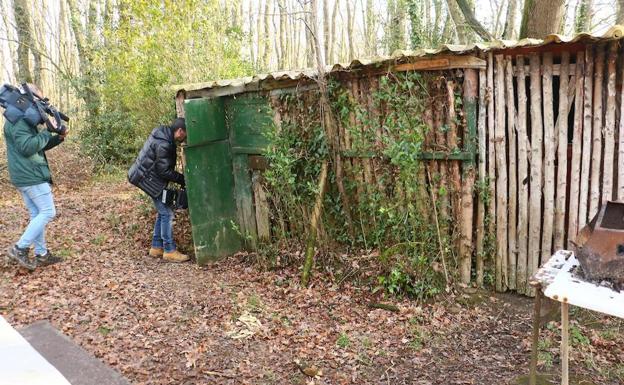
[[163, 228]]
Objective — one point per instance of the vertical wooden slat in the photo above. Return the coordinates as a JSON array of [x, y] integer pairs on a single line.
[[363, 102], [356, 162], [512, 253], [535, 188], [562, 152], [577, 140], [442, 166], [588, 82], [596, 149], [609, 127], [491, 209], [523, 179], [482, 138], [620, 168], [453, 166], [468, 175], [549, 156], [262, 207], [501, 179]]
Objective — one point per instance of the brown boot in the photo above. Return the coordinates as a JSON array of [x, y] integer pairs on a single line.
[[156, 252], [175, 256]]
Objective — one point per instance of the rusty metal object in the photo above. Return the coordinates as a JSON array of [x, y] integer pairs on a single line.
[[600, 244]]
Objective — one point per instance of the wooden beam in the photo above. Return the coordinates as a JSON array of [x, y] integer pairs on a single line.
[[441, 63]]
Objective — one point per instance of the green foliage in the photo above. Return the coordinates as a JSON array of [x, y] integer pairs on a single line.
[[395, 210], [343, 340], [150, 46]]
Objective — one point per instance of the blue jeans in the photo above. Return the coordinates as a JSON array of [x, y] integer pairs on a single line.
[[163, 228], [40, 204]]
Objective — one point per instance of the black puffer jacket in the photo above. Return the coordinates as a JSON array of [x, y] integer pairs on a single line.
[[155, 165]]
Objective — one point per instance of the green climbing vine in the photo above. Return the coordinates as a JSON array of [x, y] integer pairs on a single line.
[[391, 191]]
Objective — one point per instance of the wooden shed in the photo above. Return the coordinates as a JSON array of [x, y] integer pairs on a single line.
[[519, 143]]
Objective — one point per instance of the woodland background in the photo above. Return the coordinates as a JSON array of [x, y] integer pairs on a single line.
[[110, 64]]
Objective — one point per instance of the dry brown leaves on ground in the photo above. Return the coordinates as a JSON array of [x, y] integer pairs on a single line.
[[231, 323]]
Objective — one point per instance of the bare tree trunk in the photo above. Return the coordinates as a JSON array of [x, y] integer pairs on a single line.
[[268, 41], [26, 43], [350, 18], [458, 20], [541, 18], [583, 17], [472, 21], [310, 48], [332, 33], [370, 35], [283, 37], [326, 31], [260, 35], [87, 90], [510, 21]]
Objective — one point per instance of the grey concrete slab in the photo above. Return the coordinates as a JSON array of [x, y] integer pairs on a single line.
[[77, 365]]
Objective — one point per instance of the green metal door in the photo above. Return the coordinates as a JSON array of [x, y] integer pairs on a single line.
[[210, 182], [248, 118]]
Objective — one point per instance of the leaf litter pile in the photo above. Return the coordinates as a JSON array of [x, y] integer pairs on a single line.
[[234, 323]]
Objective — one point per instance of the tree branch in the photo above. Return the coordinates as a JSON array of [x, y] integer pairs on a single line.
[[472, 20]]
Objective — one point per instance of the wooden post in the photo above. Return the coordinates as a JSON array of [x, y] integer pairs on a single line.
[[262, 207], [512, 253], [588, 82], [523, 179], [565, 344], [596, 148], [549, 156], [467, 187], [453, 165], [501, 180], [609, 127], [535, 188], [620, 168], [363, 101], [442, 166], [562, 152], [537, 305], [482, 134], [491, 152], [577, 139]]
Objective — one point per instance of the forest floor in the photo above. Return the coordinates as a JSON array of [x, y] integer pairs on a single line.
[[235, 323]]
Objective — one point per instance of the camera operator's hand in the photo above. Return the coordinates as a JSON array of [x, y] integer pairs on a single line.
[[53, 127], [64, 133]]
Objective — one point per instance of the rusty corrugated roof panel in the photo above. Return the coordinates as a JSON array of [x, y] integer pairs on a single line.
[[615, 32]]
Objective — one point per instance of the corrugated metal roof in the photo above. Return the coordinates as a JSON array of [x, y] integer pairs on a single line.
[[615, 32]]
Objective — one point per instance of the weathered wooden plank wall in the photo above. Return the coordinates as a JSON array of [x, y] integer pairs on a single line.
[[550, 144], [558, 155]]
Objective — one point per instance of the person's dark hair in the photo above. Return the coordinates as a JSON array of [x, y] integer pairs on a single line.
[[178, 123]]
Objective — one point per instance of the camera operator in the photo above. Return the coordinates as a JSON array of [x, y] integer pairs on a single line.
[[153, 169], [30, 174]]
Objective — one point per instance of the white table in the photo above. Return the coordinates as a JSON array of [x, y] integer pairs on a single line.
[[21, 364], [556, 281]]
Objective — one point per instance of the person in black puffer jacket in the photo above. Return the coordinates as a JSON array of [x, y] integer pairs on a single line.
[[153, 169]]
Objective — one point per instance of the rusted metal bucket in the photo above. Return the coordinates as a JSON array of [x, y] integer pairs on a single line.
[[600, 244]]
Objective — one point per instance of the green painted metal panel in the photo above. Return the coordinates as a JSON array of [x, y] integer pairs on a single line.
[[210, 181], [248, 118], [205, 119]]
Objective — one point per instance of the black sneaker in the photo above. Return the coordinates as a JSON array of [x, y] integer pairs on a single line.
[[47, 259], [22, 256]]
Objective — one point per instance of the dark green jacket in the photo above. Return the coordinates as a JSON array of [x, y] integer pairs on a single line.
[[26, 148]]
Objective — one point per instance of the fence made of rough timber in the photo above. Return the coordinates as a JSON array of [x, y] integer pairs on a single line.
[[553, 150]]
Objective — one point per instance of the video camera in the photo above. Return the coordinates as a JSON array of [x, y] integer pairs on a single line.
[[30, 105]]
